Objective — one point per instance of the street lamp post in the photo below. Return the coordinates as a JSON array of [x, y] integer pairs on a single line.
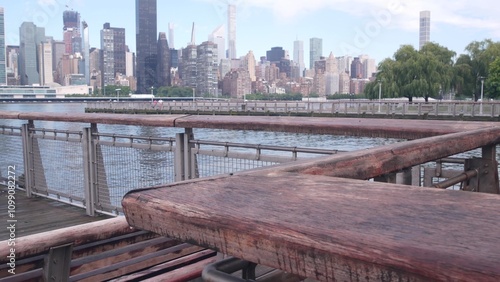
[[118, 94], [482, 86], [379, 94]]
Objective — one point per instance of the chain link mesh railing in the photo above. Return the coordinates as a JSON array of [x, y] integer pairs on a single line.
[[58, 165], [11, 153], [124, 164]]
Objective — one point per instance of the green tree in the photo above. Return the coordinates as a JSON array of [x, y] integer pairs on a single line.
[[110, 91], [482, 54], [463, 81], [425, 73], [492, 82]]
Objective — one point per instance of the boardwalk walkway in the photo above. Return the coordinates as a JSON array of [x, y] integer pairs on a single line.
[[35, 215]]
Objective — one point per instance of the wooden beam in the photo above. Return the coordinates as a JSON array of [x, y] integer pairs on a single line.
[[369, 163], [331, 229], [78, 235], [405, 129]]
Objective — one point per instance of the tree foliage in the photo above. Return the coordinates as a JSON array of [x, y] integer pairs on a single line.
[[493, 80], [415, 73], [111, 91], [174, 91]]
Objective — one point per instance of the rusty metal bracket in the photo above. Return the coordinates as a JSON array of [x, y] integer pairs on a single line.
[[486, 180], [57, 263]]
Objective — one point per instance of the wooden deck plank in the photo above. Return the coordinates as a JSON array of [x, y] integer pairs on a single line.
[[37, 214], [331, 229]]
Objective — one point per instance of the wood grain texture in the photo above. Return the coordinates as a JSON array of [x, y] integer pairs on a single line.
[[331, 229]]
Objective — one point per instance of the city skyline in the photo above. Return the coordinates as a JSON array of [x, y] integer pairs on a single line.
[[376, 28]]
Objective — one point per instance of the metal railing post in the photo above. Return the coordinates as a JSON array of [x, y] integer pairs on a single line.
[[89, 169], [190, 163], [28, 157], [179, 173]]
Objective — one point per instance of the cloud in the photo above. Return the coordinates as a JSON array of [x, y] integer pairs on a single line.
[[46, 2], [476, 14]]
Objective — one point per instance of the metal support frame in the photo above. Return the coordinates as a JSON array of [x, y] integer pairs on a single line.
[[57, 263], [486, 180], [220, 271]]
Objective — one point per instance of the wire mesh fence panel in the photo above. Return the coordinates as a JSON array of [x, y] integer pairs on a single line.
[[11, 154], [58, 170], [215, 165], [122, 169]]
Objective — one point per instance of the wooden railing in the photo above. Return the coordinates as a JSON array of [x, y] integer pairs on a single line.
[[304, 219]]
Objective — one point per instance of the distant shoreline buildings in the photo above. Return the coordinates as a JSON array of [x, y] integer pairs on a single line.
[[210, 68]]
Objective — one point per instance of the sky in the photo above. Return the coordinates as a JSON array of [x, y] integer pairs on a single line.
[[348, 27]]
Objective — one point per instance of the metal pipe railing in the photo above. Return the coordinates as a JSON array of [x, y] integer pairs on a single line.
[[457, 179]]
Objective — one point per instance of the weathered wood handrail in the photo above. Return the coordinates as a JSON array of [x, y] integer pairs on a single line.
[[369, 163], [408, 129], [78, 235]]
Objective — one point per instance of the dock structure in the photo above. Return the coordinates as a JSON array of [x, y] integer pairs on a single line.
[[389, 108], [336, 217]]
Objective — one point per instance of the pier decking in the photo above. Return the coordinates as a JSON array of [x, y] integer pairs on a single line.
[[35, 215]]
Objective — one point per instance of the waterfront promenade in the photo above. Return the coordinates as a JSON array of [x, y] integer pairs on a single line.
[[390, 108], [292, 214]]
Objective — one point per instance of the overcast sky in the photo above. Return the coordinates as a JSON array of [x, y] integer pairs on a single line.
[[348, 27]]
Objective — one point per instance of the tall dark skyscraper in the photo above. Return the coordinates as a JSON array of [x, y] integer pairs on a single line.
[[146, 44], [275, 54], [163, 67]]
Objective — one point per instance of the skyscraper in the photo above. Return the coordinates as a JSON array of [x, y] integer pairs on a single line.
[[163, 67], [188, 68], [298, 55], [86, 51], [217, 37], [45, 63], [275, 54], [107, 56], [146, 44], [315, 50], [425, 28], [3, 66], [30, 36], [71, 32], [356, 68], [113, 50], [231, 31], [171, 35], [207, 69]]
